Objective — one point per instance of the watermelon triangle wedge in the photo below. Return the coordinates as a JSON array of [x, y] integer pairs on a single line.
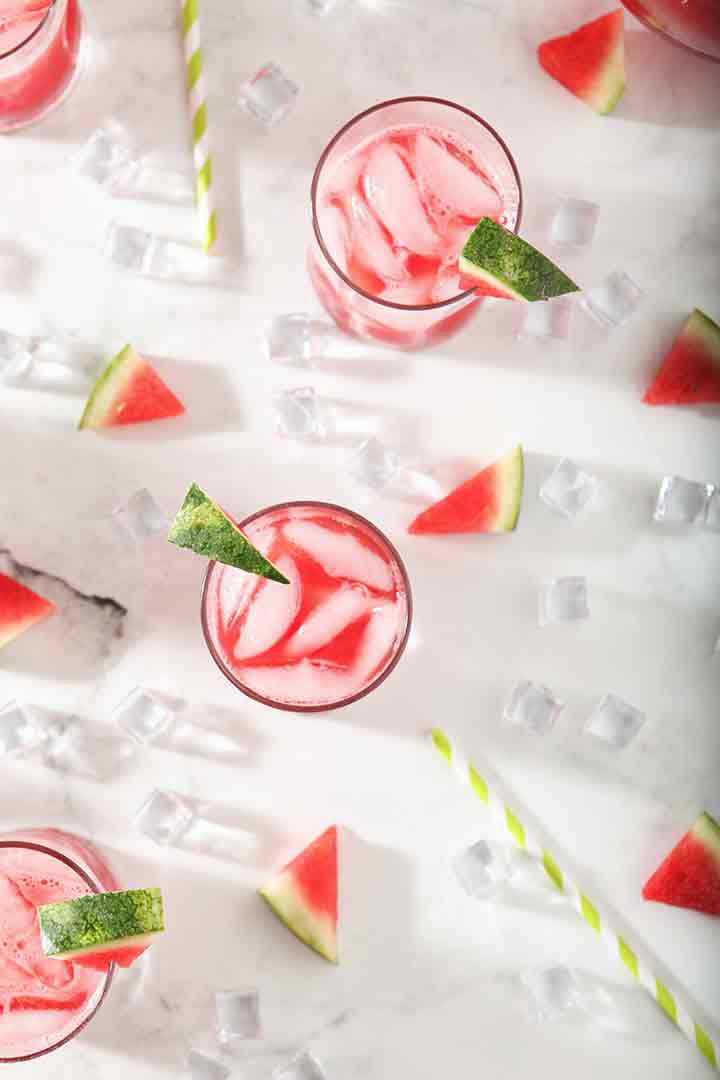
[[129, 391], [690, 372], [590, 62], [488, 502], [305, 895], [20, 608], [690, 875]]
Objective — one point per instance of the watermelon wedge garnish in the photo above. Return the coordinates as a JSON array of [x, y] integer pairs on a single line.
[[690, 373], [590, 62], [103, 928], [487, 503], [20, 608], [690, 875], [129, 391], [496, 262], [204, 527], [305, 895]]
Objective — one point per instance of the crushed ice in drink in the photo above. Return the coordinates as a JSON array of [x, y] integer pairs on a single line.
[[373, 464], [108, 158], [144, 253], [614, 300], [299, 414], [568, 489], [615, 721], [681, 501], [20, 729], [237, 1016], [201, 1066], [533, 707], [546, 320], [268, 95], [477, 870], [164, 817], [139, 517], [304, 1067], [16, 359], [288, 339], [553, 992], [144, 715], [563, 600], [574, 223]]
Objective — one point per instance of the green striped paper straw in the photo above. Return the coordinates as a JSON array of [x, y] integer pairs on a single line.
[[522, 835], [199, 121]]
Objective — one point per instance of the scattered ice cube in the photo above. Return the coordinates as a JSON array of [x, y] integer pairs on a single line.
[[299, 414], [108, 158], [477, 869], [129, 247], [615, 721], [712, 508], [546, 320], [533, 707], [237, 1015], [554, 991], [144, 715], [288, 339], [201, 1066], [20, 730], [574, 223], [268, 95], [568, 488], [373, 464], [165, 816], [304, 1067], [157, 257], [681, 502], [563, 600], [16, 359], [320, 7], [614, 300], [139, 517]]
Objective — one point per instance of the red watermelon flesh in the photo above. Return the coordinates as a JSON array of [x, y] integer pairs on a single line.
[[129, 391], [101, 961], [305, 895], [690, 372], [590, 62], [20, 608], [690, 875], [488, 502]]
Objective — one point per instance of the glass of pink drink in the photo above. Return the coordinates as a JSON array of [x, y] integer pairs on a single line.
[[329, 637], [692, 23], [39, 54], [394, 197], [44, 1002]]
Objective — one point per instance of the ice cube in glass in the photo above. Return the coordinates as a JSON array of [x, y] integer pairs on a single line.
[[139, 517], [165, 816], [615, 721], [268, 95], [288, 339], [20, 730], [237, 1016], [568, 489], [614, 300], [373, 464], [533, 707], [477, 869], [546, 320], [304, 1067], [201, 1066], [144, 715], [574, 223], [563, 600], [298, 413], [553, 991], [681, 501]]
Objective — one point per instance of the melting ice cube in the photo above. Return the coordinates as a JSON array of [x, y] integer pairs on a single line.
[[299, 413], [682, 502], [144, 715], [477, 869], [165, 817], [288, 339], [237, 1016], [614, 300], [615, 721], [546, 320], [568, 489], [268, 95], [533, 707], [20, 729], [574, 223], [304, 1067], [139, 517], [373, 464], [201, 1066], [563, 600], [553, 991]]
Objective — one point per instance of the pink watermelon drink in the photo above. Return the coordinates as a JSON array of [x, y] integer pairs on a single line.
[[692, 23], [329, 637], [395, 195], [39, 52], [44, 1002]]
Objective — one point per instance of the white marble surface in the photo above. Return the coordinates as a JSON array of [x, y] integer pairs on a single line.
[[428, 985]]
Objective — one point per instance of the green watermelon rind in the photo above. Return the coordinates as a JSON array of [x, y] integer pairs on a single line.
[[288, 903], [109, 386], [497, 256], [204, 527], [610, 87], [100, 922], [707, 832], [512, 472]]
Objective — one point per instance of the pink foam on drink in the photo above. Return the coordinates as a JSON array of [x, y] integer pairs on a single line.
[[398, 208], [42, 1001], [328, 635]]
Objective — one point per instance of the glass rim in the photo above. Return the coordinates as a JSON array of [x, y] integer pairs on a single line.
[[648, 22], [440, 304], [94, 885], [380, 678], [52, 4]]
